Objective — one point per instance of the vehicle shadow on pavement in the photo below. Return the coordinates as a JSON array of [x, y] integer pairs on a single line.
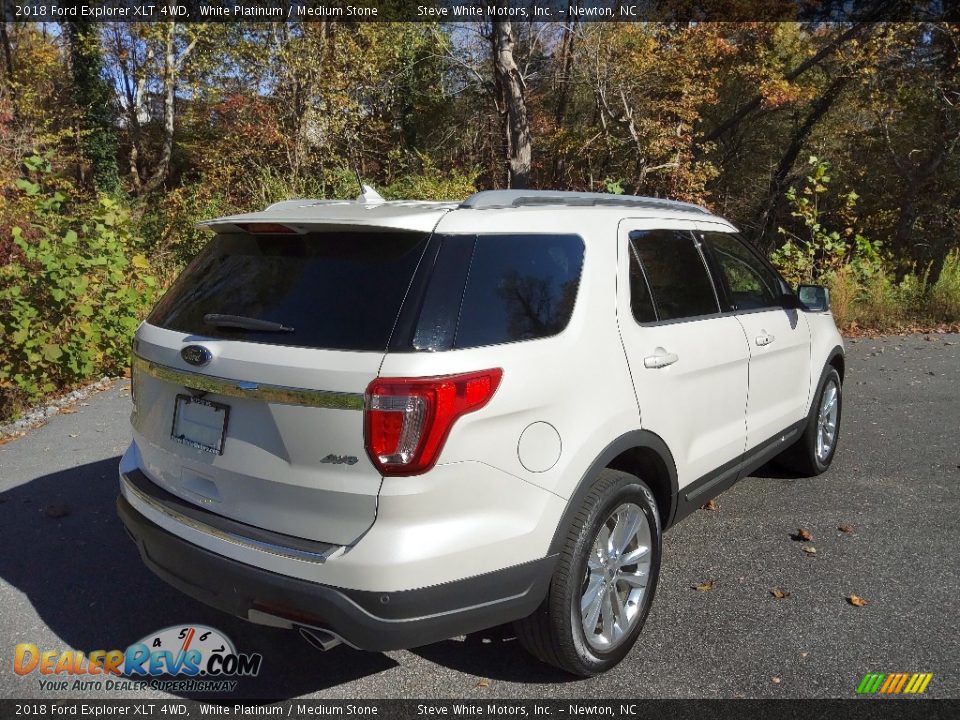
[[495, 654], [69, 554]]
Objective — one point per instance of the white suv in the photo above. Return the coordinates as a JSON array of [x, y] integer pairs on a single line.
[[390, 423]]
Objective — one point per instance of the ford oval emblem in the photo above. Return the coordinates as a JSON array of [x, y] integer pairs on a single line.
[[196, 355]]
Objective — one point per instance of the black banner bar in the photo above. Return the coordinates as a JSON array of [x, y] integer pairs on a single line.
[[480, 10], [856, 709]]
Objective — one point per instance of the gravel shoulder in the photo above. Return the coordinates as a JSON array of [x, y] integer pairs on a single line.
[[70, 578]]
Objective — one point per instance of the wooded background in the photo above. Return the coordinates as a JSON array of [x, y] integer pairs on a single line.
[[834, 147]]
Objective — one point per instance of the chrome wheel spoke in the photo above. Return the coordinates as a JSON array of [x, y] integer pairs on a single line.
[[634, 580], [607, 617], [632, 557], [591, 605], [602, 543], [619, 610], [628, 523]]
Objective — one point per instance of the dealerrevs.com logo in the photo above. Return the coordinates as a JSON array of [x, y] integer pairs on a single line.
[[193, 658]]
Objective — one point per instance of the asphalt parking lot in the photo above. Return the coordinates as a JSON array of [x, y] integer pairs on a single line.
[[70, 578]]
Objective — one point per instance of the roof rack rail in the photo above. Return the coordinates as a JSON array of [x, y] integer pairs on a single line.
[[491, 199]]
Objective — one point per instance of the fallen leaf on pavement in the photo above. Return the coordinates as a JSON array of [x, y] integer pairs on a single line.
[[67, 410], [483, 683], [779, 594], [856, 600], [705, 586], [845, 528], [710, 505], [809, 549], [776, 679], [802, 535]]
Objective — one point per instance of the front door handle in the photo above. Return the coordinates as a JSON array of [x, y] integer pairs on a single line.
[[764, 338], [660, 359]]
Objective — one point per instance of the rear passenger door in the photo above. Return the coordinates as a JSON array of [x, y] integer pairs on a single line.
[[778, 337], [688, 362]]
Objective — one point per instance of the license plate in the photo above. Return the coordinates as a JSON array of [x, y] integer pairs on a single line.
[[199, 423]]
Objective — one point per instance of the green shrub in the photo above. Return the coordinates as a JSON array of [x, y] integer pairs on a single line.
[[944, 299], [72, 294], [432, 184]]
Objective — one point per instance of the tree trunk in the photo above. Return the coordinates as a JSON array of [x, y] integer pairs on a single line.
[[169, 111], [519, 141], [5, 40], [95, 99], [172, 65], [775, 190]]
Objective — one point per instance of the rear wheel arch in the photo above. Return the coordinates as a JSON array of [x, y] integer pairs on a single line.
[[640, 453]]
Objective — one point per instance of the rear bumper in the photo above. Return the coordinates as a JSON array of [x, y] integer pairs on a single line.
[[365, 619]]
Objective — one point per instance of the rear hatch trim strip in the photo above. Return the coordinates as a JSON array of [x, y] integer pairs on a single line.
[[234, 388], [231, 531]]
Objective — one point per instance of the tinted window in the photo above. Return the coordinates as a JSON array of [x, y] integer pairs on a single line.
[[750, 283], [677, 277], [337, 290], [516, 287]]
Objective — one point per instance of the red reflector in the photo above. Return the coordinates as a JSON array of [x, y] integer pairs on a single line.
[[263, 228], [407, 420]]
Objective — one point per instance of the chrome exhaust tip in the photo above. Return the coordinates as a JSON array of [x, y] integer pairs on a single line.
[[320, 639]]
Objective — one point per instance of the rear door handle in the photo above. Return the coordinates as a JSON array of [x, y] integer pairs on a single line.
[[765, 338], [660, 359]]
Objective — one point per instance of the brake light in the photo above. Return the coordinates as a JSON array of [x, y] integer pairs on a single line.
[[267, 228], [407, 420]]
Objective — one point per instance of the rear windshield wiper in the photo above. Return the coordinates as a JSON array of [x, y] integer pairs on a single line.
[[244, 323]]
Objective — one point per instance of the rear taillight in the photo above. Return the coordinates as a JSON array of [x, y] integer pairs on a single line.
[[407, 420]]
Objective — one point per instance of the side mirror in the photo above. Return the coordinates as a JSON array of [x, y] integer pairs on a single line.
[[814, 298]]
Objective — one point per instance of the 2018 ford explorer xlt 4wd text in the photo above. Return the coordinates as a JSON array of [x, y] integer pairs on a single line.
[[390, 423]]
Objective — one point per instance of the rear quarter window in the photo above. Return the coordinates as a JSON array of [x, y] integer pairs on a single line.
[[494, 289]]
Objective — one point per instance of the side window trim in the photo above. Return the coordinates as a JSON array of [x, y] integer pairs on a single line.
[[781, 284], [682, 232], [646, 282], [698, 244]]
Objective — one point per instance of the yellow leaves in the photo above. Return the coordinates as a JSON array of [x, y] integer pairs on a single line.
[[710, 505], [779, 594], [809, 549], [856, 600], [802, 535], [140, 261], [705, 586]]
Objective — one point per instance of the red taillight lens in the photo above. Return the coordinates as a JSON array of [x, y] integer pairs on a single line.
[[407, 420]]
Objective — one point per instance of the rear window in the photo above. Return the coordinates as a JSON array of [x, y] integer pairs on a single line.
[[331, 290], [493, 289]]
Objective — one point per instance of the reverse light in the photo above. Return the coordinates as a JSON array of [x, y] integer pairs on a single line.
[[407, 420]]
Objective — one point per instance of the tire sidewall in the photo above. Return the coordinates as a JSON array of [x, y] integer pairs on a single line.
[[627, 490]]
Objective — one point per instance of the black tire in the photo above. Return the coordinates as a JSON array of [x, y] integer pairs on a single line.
[[554, 632], [802, 458]]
